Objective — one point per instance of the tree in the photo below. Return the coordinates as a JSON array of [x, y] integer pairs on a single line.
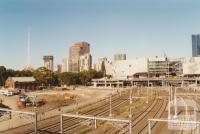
[[46, 77], [2, 75], [82, 78], [69, 78], [23, 73]]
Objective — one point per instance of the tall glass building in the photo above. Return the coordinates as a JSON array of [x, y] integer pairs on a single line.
[[195, 45], [75, 51]]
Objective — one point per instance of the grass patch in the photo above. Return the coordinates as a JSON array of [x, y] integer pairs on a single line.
[[85, 130], [134, 105]]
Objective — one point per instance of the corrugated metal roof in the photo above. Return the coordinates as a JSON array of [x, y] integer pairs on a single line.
[[23, 79]]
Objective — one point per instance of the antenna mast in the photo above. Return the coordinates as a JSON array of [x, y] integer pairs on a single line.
[[28, 62]]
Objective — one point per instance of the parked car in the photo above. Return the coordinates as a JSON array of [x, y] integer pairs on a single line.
[[10, 92], [2, 91]]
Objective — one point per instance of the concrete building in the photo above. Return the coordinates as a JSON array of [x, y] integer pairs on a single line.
[[48, 62], [65, 65], [195, 45], [119, 56], [191, 66], [75, 51], [124, 69], [85, 62], [100, 65], [27, 83], [143, 68], [158, 67], [94, 66], [59, 68], [176, 67]]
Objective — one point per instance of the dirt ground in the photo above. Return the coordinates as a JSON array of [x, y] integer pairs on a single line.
[[55, 99]]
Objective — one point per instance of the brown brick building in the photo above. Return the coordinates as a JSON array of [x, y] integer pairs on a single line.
[[27, 83]]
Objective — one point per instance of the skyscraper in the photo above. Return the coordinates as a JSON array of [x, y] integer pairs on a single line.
[[195, 45], [48, 62], [75, 51], [65, 65], [119, 56]]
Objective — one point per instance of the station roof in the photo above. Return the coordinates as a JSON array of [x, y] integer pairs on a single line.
[[23, 79]]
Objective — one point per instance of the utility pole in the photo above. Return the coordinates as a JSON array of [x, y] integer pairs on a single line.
[[169, 107], [147, 95], [130, 96], [175, 101], [130, 112], [76, 104], [61, 123], [149, 127], [110, 114], [130, 126], [35, 122]]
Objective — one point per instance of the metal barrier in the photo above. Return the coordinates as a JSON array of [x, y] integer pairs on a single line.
[[183, 122], [34, 114]]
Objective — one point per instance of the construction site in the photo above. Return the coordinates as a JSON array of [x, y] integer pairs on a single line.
[[133, 110]]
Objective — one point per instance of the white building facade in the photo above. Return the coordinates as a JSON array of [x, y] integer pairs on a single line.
[[85, 62], [65, 67], [191, 66], [122, 69]]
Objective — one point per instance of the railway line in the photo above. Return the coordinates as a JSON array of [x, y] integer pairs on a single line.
[[69, 124], [52, 125], [155, 109], [164, 126]]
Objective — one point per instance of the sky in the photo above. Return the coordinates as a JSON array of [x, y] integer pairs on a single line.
[[139, 28]]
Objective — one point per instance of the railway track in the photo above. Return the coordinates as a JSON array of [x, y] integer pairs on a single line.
[[70, 124], [140, 121], [98, 107], [164, 128], [52, 125]]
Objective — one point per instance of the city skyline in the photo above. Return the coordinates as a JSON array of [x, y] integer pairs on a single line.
[[136, 28]]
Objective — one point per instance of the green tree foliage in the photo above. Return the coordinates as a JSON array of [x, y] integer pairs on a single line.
[[2, 75], [82, 78], [46, 77], [23, 73]]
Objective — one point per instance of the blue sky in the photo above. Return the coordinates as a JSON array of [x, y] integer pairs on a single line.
[[139, 28]]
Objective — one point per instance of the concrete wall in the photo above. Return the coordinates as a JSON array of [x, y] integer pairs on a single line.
[[191, 65]]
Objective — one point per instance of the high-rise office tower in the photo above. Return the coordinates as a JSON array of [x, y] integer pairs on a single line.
[[75, 51], [48, 62], [100, 65], [195, 45], [119, 56], [65, 65]]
